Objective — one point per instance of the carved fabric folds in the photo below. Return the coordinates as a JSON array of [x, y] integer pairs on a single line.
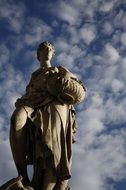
[[51, 138], [51, 128]]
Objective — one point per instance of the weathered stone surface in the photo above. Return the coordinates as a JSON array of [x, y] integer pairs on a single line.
[[43, 124], [15, 184]]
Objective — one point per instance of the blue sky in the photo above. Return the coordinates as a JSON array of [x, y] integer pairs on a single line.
[[90, 40]]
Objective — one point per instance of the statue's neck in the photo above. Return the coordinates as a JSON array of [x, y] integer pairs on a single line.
[[45, 64]]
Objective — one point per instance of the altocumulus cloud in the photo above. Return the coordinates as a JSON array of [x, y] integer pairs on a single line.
[[12, 13], [89, 37]]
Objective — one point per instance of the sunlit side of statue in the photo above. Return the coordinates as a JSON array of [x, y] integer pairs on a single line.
[[43, 124]]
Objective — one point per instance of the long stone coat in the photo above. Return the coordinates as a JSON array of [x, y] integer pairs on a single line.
[[52, 129]]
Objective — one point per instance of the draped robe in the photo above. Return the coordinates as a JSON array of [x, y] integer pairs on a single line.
[[52, 129]]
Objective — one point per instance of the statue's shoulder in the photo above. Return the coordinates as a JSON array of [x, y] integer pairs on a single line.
[[62, 68], [36, 73]]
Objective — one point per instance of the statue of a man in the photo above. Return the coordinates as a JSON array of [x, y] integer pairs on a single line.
[[43, 124]]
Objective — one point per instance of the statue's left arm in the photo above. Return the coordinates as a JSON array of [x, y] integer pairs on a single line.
[[66, 87]]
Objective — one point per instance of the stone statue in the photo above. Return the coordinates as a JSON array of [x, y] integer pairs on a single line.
[[43, 124], [15, 184]]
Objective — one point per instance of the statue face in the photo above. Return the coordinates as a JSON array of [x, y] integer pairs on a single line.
[[46, 53]]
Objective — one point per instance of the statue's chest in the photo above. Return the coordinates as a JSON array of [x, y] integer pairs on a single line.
[[40, 81]]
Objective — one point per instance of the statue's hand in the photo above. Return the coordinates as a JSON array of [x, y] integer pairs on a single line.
[[66, 76], [65, 73], [53, 70]]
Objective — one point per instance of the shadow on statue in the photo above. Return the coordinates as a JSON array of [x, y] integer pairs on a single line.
[[43, 126]]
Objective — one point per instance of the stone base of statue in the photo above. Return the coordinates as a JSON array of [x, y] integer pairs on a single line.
[[15, 184]]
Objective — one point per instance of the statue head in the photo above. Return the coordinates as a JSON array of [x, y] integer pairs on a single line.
[[42, 47]]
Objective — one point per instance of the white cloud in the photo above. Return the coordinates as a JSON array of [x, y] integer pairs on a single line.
[[115, 111], [68, 56], [7, 167], [64, 59], [123, 39], [67, 13], [107, 28], [5, 55], [92, 166], [117, 85], [119, 20], [62, 45], [36, 31], [106, 6], [111, 53], [123, 64], [73, 33], [87, 33], [100, 149], [13, 13]]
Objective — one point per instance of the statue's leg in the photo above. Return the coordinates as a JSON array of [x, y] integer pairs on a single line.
[[62, 185], [18, 141], [49, 180]]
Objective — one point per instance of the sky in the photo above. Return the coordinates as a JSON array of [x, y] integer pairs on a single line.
[[90, 40]]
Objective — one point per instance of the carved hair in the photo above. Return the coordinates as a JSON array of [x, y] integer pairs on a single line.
[[43, 44]]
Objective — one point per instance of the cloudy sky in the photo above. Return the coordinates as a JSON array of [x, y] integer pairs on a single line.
[[90, 40]]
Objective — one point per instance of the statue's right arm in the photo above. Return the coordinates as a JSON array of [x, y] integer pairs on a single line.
[[29, 87]]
